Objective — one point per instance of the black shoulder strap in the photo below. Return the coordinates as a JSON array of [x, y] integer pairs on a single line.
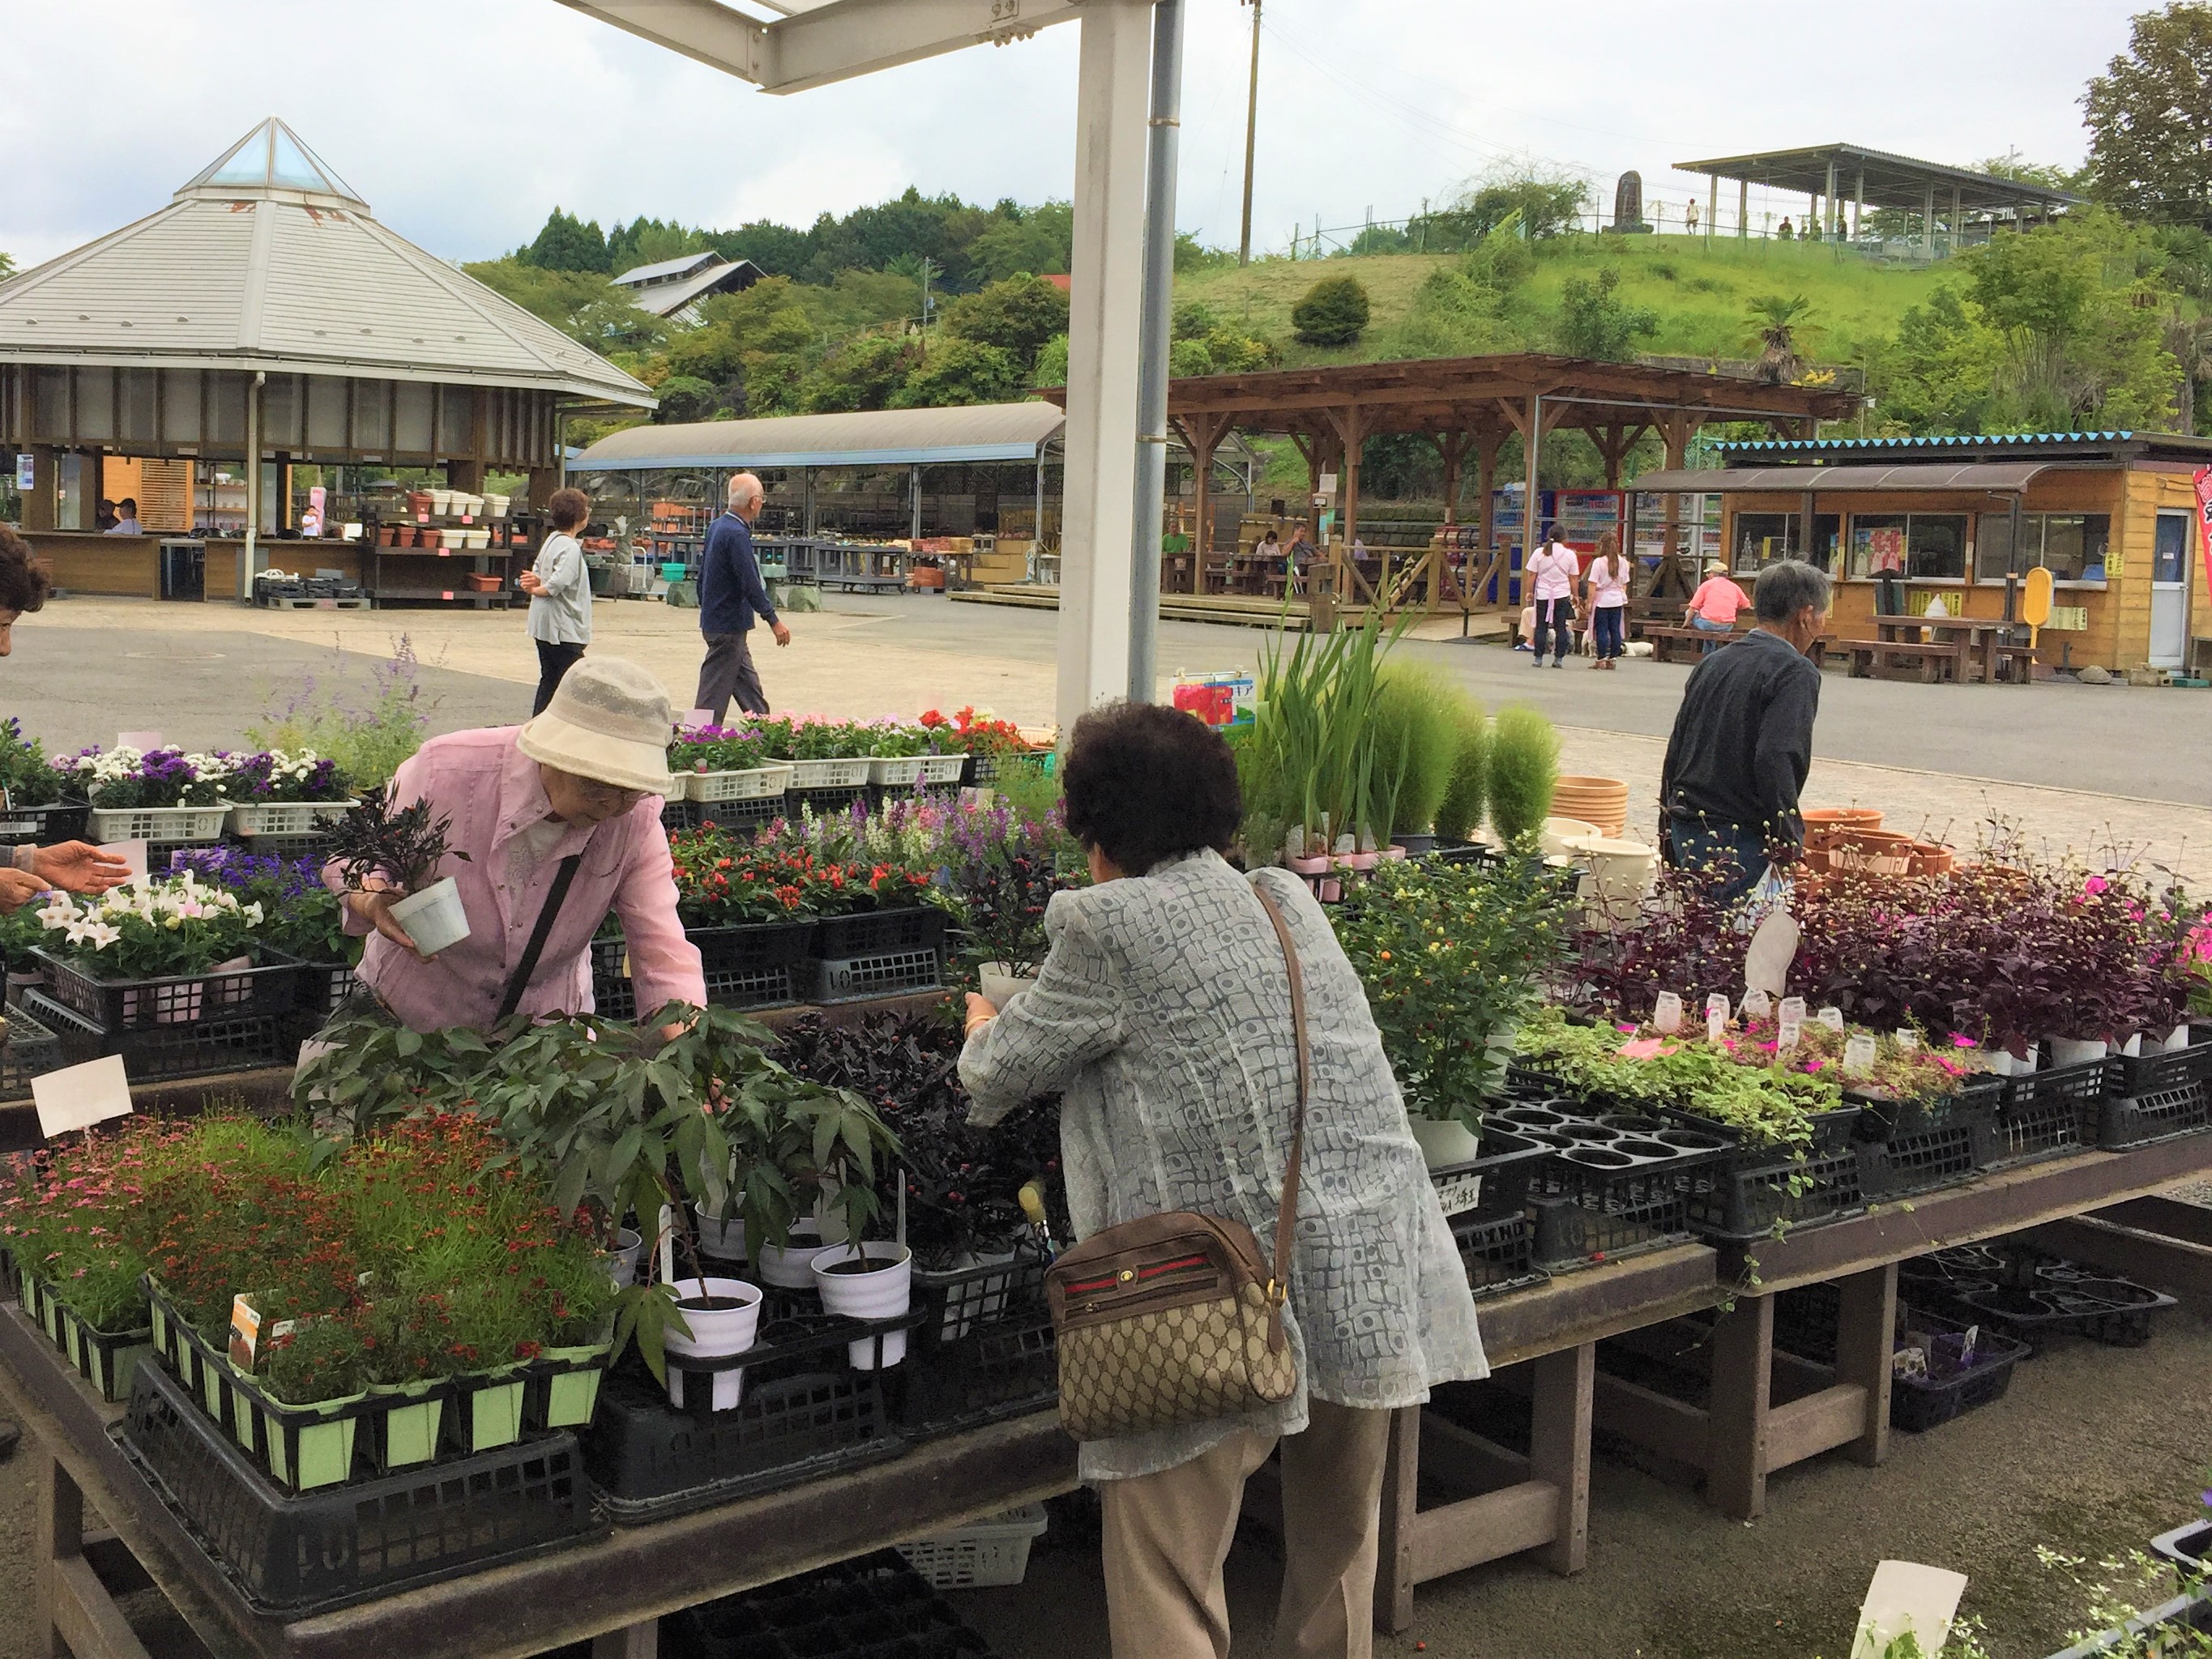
[[519, 981]]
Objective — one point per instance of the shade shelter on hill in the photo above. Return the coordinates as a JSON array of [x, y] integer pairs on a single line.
[[264, 312]]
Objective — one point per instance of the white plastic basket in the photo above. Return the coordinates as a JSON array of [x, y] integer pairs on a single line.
[[287, 817], [981, 1555], [827, 774], [159, 823], [751, 783], [905, 771]]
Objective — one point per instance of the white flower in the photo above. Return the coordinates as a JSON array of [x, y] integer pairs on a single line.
[[58, 914], [102, 935], [252, 914]]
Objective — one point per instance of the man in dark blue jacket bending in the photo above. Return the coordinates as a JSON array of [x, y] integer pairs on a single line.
[[731, 594]]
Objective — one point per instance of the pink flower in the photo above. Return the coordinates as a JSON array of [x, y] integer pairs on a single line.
[[1960, 1040], [2094, 886]]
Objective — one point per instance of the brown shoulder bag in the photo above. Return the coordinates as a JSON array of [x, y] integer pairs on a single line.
[[1175, 1318]]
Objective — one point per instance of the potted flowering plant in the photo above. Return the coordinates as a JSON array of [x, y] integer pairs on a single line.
[[300, 916], [164, 794], [152, 952], [405, 846], [277, 793], [32, 788], [727, 763]]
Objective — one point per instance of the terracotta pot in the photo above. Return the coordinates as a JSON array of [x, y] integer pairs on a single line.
[[1842, 817], [1932, 858]]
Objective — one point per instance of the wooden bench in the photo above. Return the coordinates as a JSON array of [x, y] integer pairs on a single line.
[[1668, 641], [2016, 663], [1881, 659]]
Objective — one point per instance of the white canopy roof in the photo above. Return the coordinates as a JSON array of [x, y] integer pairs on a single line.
[[886, 437], [268, 260]]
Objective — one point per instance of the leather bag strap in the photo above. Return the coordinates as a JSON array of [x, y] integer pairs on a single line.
[[1287, 1215], [519, 981]]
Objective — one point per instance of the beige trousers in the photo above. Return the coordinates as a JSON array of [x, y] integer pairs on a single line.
[[1168, 1535]]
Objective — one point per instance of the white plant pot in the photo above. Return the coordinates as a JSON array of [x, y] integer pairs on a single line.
[[716, 1334], [789, 1266], [622, 1260], [1559, 831], [1001, 981], [2076, 1051], [2133, 1046], [718, 1237], [2176, 1040], [1445, 1142], [433, 917], [883, 1293]]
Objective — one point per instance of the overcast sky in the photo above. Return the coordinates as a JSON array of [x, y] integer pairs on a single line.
[[463, 122]]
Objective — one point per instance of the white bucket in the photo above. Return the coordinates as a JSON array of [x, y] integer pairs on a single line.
[[623, 1259], [2076, 1051], [1445, 1142], [1557, 832], [433, 918], [1621, 872], [1001, 981], [789, 1266], [883, 1293], [716, 1334], [718, 1237]]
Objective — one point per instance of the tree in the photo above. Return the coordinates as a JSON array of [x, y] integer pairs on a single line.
[[568, 243], [1017, 315], [1542, 199], [961, 371], [2048, 174], [1051, 362], [1936, 376], [1041, 239], [582, 305], [684, 397], [7, 266], [1334, 313], [2149, 116], [647, 242], [1594, 322], [1774, 322], [861, 374]]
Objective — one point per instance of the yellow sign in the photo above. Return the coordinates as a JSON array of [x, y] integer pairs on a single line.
[[2035, 599]]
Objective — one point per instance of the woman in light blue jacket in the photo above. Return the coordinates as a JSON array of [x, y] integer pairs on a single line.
[[1162, 1015]]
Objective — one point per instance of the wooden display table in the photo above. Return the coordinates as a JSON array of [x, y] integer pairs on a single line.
[[1740, 1436], [609, 1590]]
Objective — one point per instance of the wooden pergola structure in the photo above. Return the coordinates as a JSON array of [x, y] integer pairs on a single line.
[[1467, 406]]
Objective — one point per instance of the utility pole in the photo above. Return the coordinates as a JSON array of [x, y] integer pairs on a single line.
[[928, 271], [1251, 134]]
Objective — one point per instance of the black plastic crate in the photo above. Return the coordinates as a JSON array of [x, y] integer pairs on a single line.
[[2146, 1074], [866, 932], [613, 996], [1922, 1147], [738, 818], [1494, 1183], [1499, 1251], [754, 966], [825, 803], [2032, 1124], [1744, 1192], [2040, 1094], [313, 844], [1950, 1390], [2139, 1120], [875, 1607], [292, 1556], [323, 986], [116, 1005], [885, 973], [29, 1051], [983, 1351], [678, 816], [805, 1413], [232, 1044], [44, 825]]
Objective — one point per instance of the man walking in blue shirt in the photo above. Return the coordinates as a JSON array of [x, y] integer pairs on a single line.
[[731, 594]]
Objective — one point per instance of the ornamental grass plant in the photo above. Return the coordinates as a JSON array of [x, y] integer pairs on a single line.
[[1459, 811], [1524, 770], [1418, 714]]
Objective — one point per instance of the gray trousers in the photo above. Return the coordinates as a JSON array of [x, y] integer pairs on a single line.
[[729, 673]]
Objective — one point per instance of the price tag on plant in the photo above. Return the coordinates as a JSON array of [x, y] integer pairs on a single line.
[[1832, 1019], [1791, 1008], [1716, 1017], [1787, 1036], [1907, 1038], [1667, 1012], [1858, 1055], [1757, 1005]]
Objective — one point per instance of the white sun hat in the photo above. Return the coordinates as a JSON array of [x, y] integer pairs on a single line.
[[609, 722]]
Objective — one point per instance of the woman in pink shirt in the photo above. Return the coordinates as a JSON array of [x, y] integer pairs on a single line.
[[1607, 582], [1552, 571], [1713, 607], [582, 786]]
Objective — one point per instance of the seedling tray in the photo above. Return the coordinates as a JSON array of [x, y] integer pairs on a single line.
[[293, 1555], [29, 1051], [1744, 1192], [107, 1359], [1494, 1183], [2032, 1296], [805, 1413], [116, 1005], [983, 1351], [1498, 1252], [234, 1042], [874, 1607]]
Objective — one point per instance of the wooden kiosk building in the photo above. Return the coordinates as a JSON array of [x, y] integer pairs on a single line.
[[264, 312]]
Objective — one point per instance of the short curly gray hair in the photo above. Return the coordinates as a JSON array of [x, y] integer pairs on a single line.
[[1787, 587]]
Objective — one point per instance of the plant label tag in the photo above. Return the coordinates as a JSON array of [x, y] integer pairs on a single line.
[[698, 719], [1858, 1055], [78, 1096], [1907, 1599], [1832, 1019], [1773, 947], [1716, 1017], [133, 853], [144, 742], [1907, 1039], [1757, 1005], [245, 1332], [1786, 1036], [1667, 1014], [1791, 1008]]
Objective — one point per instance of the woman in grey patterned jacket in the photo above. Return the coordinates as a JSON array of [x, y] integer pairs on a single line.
[[1163, 1016]]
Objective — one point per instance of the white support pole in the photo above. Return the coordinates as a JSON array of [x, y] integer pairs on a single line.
[[1153, 365], [1105, 306], [252, 488]]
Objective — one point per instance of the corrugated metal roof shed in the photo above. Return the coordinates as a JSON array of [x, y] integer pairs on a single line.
[[890, 437], [661, 269], [266, 260]]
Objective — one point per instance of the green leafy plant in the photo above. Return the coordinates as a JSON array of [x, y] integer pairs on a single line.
[[1416, 722], [367, 738], [1334, 313], [25, 772], [1524, 770], [1460, 812], [1451, 956], [1309, 766]]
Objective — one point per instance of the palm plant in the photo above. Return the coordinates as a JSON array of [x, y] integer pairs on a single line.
[[1774, 321]]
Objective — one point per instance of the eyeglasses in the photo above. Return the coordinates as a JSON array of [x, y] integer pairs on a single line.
[[605, 794]]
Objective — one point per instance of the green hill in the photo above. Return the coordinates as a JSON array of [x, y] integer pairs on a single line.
[[1699, 291]]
